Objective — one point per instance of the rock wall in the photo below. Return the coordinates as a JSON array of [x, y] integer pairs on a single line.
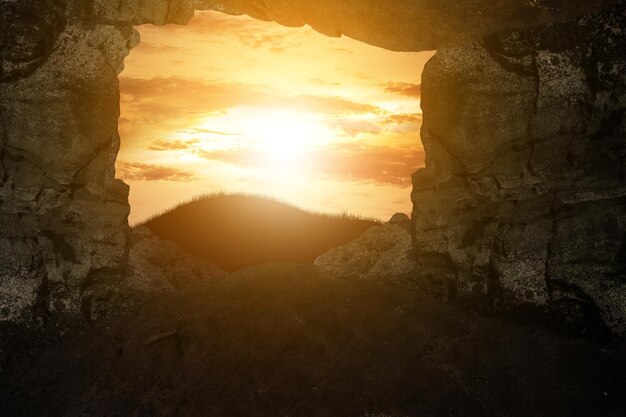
[[409, 25], [63, 216], [521, 203], [523, 200]]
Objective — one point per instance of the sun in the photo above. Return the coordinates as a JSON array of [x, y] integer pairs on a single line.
[[277, 138], [285, 137]]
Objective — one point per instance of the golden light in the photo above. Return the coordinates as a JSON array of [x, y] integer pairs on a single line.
[[284, 111], [278, 138], [285, 137]]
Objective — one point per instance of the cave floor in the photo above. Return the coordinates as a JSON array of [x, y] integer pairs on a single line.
[[283, 340]]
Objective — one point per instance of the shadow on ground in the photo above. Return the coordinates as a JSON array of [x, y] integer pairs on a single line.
[[284, 340]]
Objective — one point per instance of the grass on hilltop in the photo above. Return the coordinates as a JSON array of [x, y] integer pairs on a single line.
[[236, 231]]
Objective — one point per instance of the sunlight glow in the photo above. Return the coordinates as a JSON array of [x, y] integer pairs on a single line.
[[282, 137], [277, 138], [324, 122]]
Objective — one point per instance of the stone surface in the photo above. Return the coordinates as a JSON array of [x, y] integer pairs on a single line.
[[398, 218], [158, 266], [65, 214], [286, 340], [523, 199], [408, 25], [156, 12], [383, 253]]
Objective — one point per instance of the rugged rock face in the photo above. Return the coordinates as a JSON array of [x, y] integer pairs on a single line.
[[383, 253], [409, 25], [63, 215], [159, 266], [523, 201]]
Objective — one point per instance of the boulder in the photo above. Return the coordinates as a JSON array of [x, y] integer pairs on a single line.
[[159, 266], [383, 253]]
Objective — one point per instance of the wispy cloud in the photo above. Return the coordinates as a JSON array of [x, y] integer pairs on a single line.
[[381, 164], [136, 171], [403, 89], [164, 100], [213, 27], [353, 128], [156, 48], [170, 91], [403, 123], [386, 165], [330, 105], [403, 118], [165, 145], [321, 81], [214, 132]]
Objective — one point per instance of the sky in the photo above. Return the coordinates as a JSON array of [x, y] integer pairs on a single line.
[[233, 104]]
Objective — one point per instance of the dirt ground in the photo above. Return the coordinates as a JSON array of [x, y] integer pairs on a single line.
[[284, 340]]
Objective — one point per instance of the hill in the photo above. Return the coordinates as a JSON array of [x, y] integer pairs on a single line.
[[235, 231]]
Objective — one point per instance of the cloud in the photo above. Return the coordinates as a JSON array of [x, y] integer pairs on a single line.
[[212, 27], [156, 48], [179, 90], [321, 81], [276, 42], [353, 128], [402, 118], [246, 157], [214, 132], [166, 104], [386, 165], [166, 99], [381, 164], [384, 123], [174, 103], [403, 89], [330, 105], [403, 123], [136, 171], [344, 51], [165, 145]]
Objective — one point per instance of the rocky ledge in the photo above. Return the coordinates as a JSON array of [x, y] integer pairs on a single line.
[[521, 203]]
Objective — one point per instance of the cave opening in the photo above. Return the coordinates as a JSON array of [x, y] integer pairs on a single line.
[[238, 105], [518, 219]]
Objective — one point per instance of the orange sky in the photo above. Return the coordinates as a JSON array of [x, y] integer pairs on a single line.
[[238, 105]]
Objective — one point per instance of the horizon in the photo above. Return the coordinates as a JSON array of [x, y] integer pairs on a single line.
[[262, 197]]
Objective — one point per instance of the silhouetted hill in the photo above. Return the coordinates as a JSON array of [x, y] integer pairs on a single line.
[[238, 231]]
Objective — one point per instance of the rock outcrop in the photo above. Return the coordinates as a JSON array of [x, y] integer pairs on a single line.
[[409, 25], [522, 201], [159, 266], [63, 213], [382, 254]]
